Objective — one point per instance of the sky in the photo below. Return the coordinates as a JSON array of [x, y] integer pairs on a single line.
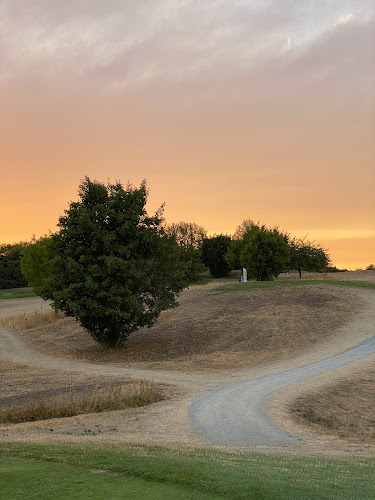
[[230, 109]]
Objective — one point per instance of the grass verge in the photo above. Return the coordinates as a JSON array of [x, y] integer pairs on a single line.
[[17, 293], [108, 399], [257, 285], [88, 471], [206, 278]]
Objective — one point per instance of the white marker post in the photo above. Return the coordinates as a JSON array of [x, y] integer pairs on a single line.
[[244, 275]]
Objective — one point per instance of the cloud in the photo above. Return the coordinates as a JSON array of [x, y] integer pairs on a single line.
[[124, 41], [286, 46], [188, 52], [345, 19]]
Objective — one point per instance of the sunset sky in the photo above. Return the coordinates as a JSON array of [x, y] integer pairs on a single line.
[[231, 109]]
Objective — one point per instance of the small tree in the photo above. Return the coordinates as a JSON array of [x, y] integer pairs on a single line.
[[213, 255], [265, 253], [307, 256], [110, 265], [371, 267]]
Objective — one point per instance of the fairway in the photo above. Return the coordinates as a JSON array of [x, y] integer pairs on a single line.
[[70, 472]]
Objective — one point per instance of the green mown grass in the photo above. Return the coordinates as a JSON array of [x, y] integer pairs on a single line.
[[256, 285], [101, 472], [206, 278], [17, 293]]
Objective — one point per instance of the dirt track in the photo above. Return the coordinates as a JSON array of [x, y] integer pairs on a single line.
[[167, 422]]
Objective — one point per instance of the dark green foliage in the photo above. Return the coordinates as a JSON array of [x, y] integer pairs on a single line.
[[189, 237], [334, 269], [233, 255], [213, 255], [112, 266], [307, 256], [35, 265], [264, 253], [10, 266]]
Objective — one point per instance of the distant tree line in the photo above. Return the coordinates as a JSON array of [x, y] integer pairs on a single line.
[[265, 252]]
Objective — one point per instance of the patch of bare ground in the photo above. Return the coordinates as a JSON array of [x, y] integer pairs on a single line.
[[10, 307], [345, 409], [210, 332]]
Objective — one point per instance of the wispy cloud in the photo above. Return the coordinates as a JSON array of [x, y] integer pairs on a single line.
[[287, 46], [345, 19]]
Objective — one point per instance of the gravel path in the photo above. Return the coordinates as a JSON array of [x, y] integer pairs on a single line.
[[234, 415]]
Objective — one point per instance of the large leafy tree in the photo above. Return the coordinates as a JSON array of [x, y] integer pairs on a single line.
[[111, 266], [213, 255], [264, 253]]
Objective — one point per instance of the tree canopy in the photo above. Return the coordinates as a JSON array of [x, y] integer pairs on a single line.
[[264, 253], [213, 255], [110, 265], [188, 234], [10, 265], [189, 237], [35, 265]]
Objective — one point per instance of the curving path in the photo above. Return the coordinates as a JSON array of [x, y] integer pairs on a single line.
[[234, 415]]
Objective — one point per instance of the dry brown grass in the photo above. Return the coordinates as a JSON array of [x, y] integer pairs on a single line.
[[24, 387], [210, 331], [113, 397], [346, 409], [26, 321]]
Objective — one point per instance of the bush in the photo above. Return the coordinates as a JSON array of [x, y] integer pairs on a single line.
[[110, 266]]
